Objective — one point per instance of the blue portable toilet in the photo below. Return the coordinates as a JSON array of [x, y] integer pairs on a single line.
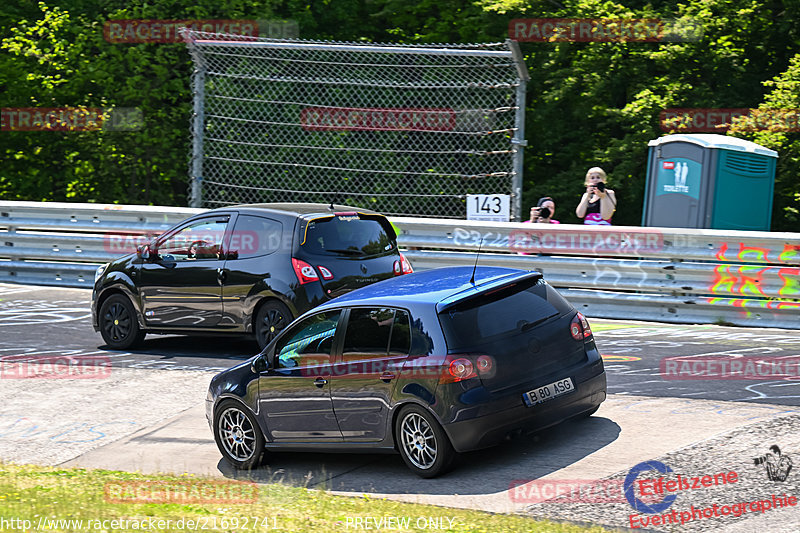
[[705, 180]]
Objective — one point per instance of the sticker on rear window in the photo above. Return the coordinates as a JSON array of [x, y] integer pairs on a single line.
[[348, 218]]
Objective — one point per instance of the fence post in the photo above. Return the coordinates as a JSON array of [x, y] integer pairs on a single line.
[[518, 141], [198, 126]]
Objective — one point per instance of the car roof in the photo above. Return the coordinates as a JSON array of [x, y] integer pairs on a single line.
[[304, 210], [442, 287]]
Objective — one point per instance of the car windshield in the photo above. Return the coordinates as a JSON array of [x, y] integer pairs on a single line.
[[346, 235], [496, 315]]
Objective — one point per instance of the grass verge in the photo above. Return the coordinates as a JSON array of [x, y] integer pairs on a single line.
[[36, 498]]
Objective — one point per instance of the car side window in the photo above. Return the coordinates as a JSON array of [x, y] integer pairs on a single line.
[[254, 236], [368, 332], [308, 343], [401, 334], [200, 240]]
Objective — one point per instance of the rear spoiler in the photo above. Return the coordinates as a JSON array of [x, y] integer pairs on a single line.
[[484, 289], [382, 220]]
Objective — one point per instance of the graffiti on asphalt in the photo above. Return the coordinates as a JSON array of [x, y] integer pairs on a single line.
[[17, 426], [26, 313]]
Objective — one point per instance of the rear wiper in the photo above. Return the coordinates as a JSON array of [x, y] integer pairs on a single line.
[[528, 325], [347, 251]]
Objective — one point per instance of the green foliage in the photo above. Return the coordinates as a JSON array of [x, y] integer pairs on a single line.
[[588, 103]]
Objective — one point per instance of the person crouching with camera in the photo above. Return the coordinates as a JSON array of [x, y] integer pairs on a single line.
[[598, 203], [543, 212]]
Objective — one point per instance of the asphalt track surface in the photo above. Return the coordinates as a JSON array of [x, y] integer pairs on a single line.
[[147, 415], [47, 321]]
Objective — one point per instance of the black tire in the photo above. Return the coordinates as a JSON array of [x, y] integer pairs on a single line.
[[238, 436], [271, 318], [119, 325], [422, 442]]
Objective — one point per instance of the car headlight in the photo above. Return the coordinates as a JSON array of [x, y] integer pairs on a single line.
[[99, 272]]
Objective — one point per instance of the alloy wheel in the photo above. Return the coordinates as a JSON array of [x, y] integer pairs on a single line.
[[418, 440], [237, 434]]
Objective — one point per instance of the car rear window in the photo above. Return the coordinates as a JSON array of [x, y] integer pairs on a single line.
[[346, 235], [500, 313]]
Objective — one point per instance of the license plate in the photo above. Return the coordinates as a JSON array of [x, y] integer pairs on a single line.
[[548, 392]]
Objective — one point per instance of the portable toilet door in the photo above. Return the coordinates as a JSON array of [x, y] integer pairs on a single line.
[[708, 181], [744, 190]]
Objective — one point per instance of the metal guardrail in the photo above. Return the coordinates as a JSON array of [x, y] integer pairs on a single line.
[[662, 274]]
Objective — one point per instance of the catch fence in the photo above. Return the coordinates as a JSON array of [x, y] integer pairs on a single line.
[[401, 129]]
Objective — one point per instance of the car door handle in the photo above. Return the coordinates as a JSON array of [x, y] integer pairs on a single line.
[[222, 274], [319, 382], [386, 377]]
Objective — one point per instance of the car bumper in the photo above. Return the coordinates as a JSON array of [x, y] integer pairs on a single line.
[[210, 413], [493, 427], [95, 321]]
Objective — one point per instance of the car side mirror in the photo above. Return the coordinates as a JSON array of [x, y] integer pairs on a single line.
[[143, 251], [259, 364]]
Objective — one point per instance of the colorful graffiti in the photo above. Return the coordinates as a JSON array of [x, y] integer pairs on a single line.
[[753, 254], [752, 303], [754, 280]]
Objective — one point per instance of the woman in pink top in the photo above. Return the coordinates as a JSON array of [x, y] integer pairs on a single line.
[[598, 203]]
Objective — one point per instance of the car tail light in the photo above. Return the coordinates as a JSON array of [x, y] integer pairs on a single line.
[[459, 370], [326, 274], [461, 367], [485, 364], [305, 272], [402, 266], [579, 328]]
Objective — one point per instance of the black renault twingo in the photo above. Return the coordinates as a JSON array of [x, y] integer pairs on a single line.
[[243, 270]]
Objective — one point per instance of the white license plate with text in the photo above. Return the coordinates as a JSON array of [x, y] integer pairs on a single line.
[[548, 392]]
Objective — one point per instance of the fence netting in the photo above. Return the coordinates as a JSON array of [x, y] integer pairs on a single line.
[[401, 129]]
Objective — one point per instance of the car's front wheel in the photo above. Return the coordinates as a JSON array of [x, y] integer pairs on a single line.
[[422, 442], [238, 436], [118, 324], [271, 318]]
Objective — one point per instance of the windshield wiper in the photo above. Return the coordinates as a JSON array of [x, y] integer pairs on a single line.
[[347, 251]]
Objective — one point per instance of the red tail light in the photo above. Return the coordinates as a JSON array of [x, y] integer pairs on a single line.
[[403, 266], [305, 272], [326, 274], [485, 364], [459, 370], [460, 367], [579, 328]]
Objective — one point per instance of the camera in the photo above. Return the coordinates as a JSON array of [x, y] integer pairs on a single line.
[[544, 212], [600, 186]]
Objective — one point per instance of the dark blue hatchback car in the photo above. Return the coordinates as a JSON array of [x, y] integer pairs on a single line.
[[429, 364]]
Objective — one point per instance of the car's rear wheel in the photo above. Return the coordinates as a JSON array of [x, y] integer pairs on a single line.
[[422, 442], [118, 324], [271, 318], [238, 436]]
